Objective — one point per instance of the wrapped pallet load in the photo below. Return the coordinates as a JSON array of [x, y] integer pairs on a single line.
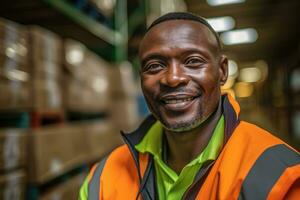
[[46, 68], [14, 67], [13, 149], [86, 82], [123, 89]]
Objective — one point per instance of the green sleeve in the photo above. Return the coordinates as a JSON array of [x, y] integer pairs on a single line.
[[83, 193]]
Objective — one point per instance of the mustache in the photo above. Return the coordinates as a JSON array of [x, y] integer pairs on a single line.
[[183, 90]]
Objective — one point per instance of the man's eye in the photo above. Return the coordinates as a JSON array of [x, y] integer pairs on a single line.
[[194, 61], [153, 67]]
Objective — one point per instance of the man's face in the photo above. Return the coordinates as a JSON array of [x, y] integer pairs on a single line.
[[181, 73]]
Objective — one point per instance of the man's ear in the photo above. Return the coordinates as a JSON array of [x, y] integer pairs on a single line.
[[223, 69]]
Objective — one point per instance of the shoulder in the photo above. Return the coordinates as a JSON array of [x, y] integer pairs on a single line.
[[118, 160], [273, 152], [271, 165], [109, 175], [118, 157], [254, 135], [260, 146]]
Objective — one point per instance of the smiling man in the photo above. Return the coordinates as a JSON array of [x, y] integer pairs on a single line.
[[193, 146]]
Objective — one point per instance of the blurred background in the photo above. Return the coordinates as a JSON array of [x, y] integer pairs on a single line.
[[69, 80]]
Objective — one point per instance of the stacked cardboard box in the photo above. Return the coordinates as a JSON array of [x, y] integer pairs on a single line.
[[124, 108], [102, 138], [66, 190], [14, 69], [30, 66], [13, 148], [54, 150], [13, 185], [46, 68], [86, 80], [13, 158]]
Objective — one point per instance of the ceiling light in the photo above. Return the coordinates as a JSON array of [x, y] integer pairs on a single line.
[[250, 75], [223, 2], [232, 68], [232, 74], [295, 80], [248, 35], [243, 89], [228, 84], [221, 24], [105, 4], [296, 124]]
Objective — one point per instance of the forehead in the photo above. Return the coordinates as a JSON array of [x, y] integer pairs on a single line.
[[178, 34]]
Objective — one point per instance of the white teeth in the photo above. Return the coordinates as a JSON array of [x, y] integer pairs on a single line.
[[173, 101]]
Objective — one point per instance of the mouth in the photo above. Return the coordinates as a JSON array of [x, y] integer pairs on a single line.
[[178, 102]]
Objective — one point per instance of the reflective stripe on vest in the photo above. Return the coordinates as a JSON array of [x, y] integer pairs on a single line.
[[266, 171], [94, 184]]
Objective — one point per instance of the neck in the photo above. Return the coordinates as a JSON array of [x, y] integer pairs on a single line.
[[185, 147]]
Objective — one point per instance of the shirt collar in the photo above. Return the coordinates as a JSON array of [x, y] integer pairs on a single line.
[[153, 143]]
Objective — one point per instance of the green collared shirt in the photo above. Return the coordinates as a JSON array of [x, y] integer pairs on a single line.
[[171, 185]]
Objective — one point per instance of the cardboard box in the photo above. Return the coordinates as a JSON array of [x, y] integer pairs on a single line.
[[54, 150], [83, 64], [47, 94], [121, 81], [84, 99], [13, 41], [74, 58], [13, 185], [124, 113], [40, 94], [87, 84], [13, 148], [79, 96], [102, 137], [14, 94], [45, 45], [45, 69], [67, 190], [7, 65]]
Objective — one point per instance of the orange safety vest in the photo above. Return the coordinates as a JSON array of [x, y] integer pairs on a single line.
[[253, 165]]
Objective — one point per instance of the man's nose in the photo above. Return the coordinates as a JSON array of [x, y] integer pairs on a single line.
[[174, 76]]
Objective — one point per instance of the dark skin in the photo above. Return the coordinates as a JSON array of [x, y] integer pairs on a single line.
[[182, 70]]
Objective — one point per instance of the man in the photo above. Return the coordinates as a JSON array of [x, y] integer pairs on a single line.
[[193, 146]]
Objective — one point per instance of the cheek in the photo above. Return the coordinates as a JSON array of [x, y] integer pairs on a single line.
[[207, 79], [150, 85]]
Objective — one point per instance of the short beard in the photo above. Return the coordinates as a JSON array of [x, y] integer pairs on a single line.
[[185, 126]]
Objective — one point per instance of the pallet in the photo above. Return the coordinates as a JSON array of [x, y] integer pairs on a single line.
[[75, 116], [34, 191], [30, 119], [14, 119], [46, 117]]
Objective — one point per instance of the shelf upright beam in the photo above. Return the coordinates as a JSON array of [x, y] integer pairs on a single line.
[[121, 24], [112, 37]]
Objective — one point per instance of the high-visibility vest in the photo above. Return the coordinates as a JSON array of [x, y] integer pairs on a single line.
[[253, 165]]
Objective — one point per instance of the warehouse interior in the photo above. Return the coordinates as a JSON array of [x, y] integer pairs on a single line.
[[69, 80]]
